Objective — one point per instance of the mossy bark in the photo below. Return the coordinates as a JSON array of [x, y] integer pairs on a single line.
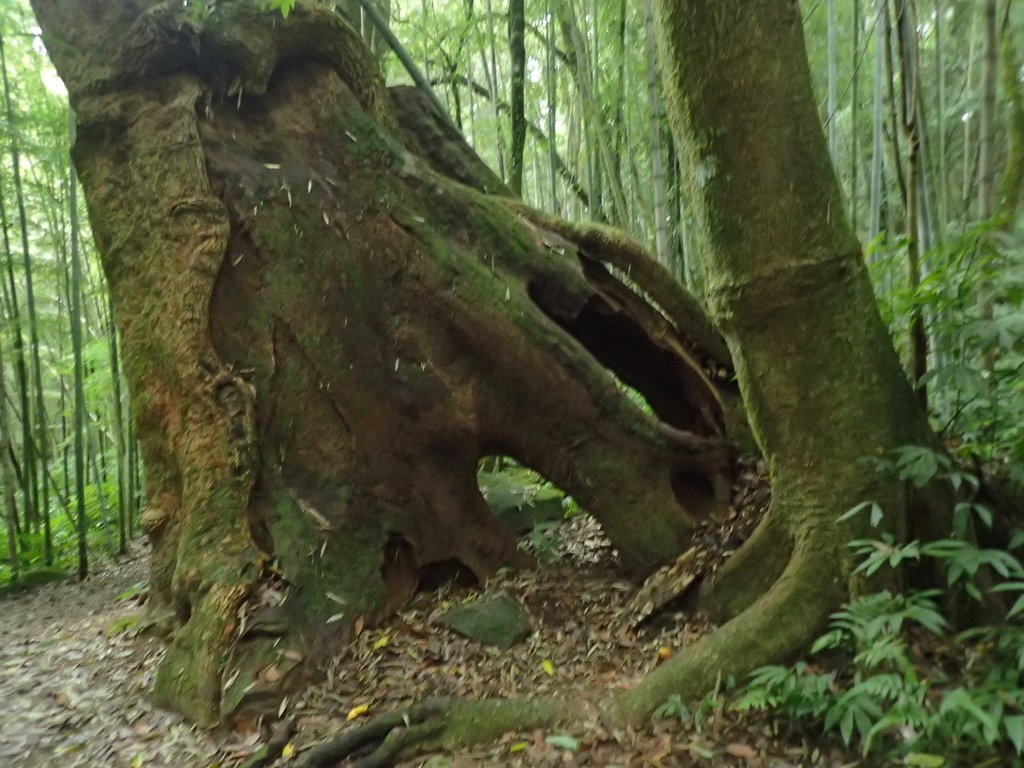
[[787, 284], [323, 334], [822, 385]]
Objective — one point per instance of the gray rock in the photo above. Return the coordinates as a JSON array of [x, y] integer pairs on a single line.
[[499, 621]]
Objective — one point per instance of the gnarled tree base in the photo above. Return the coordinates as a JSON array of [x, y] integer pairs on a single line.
[[323, 335], [780, 624]]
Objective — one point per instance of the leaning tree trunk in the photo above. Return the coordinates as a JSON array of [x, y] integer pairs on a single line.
[[787, 283], [323, 335]]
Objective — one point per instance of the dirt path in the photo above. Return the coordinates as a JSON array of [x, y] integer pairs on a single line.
[[73, 693]]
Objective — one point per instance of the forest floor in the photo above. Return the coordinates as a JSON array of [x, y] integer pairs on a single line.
[[74, 678], [74, 688]]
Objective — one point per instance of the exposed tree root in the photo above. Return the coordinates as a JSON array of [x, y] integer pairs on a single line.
[[380, 736], [778, 625], [280, 736], [437, 724], [749, 572], [611, 246]]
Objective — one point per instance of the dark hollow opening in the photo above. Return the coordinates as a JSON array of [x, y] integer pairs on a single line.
[[622, 345], [694, 492]]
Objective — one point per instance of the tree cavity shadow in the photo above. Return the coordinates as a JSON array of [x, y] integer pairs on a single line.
[[695, 491], [402, 575], [610, 332]]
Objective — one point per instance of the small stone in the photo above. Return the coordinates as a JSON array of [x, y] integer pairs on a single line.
[[499, 621]]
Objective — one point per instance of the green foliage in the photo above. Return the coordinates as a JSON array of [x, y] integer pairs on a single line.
[[196, 11], [974, 379], [131, 625], [39, 128], [524, 500], [563, 741], [505, 484], [886, 701], [102, 533], [635, 397], [133, 591], [35, 576], [897, 695], [799, 690], [284, 6], [543, 541], [924, 465], [673, 707]]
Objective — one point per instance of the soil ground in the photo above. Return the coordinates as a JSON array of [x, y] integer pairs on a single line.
[[74, 679], [74, 692]]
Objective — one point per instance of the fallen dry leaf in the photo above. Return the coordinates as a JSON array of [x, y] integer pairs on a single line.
[[741, 750]]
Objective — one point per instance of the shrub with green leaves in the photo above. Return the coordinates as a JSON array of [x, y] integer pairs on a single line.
[[907, 689], [974, 379]]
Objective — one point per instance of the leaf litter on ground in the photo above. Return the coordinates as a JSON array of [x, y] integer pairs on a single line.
[[76, 693]]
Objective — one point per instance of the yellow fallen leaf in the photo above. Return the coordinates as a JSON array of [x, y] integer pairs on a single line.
[[289, 750], [549, 667], [382, 641], [519, 746], [356, 711], [664, 653]]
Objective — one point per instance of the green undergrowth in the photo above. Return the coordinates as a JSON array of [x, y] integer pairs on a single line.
[[891, 678], [527, 503], [973, 381], [102, 540]]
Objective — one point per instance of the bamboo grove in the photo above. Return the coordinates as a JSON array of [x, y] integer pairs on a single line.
[[921, 102], [71, 476]]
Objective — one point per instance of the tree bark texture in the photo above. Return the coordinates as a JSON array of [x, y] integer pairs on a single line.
[[323, 334], [786, 282]]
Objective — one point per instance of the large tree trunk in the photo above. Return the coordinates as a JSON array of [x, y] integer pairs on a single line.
[[323, 335], [822, 384], [786, 281]]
